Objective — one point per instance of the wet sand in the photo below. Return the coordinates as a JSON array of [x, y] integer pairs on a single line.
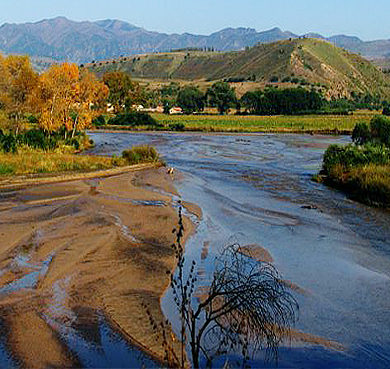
[[105, 241]]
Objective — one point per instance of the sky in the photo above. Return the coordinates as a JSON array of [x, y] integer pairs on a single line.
[[366, 19]]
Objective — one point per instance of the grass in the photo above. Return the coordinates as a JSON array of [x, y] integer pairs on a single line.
[[250, 123], [141, 154], [34, 161], [369, 183]]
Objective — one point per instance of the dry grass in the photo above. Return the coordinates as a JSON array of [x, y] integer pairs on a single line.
[[367, 183]]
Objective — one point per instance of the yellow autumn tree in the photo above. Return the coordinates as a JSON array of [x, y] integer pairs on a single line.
[[17, 81], [67, 98]]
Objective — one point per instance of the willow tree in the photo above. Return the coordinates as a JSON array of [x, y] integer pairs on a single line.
[[17, 81], [66, 98]]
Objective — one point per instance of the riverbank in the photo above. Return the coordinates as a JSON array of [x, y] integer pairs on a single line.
[[96, 244]]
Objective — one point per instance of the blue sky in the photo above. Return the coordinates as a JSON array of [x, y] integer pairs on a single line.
[[365, 19]]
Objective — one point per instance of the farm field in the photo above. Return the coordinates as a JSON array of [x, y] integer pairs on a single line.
[[251, 123]]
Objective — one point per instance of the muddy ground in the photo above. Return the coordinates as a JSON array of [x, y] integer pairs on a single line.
[[66, 249]]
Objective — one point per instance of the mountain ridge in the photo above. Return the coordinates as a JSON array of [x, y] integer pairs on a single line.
[[62, 39]]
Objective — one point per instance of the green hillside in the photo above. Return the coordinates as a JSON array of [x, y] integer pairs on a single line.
[[312, 62]]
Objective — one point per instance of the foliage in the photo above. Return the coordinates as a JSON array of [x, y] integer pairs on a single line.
[[246, 307], [65, 97], [17, 81], [288, 101], [386, 110], [124, 92], [380, 130], [99, 121], [39, 139], [190, 99], [363, 169], [221, 95], [347, 157], [361, 134], [133, 118], [378, 133], [179, 126], [141, 154]]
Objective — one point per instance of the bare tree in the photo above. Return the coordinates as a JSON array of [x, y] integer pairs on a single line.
[[245, 309]]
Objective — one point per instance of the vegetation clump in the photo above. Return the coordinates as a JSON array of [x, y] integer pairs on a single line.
[[141, 154], [133, 119], [363, 168]]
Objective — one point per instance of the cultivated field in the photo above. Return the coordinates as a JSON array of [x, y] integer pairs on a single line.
[[251, 123]]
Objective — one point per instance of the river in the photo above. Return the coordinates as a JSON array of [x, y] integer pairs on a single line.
[[256, 189]]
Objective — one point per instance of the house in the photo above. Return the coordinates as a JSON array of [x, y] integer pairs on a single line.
[[176, 110]]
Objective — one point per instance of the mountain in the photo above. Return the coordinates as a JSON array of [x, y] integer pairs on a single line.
[[311, 62], [62, 39]]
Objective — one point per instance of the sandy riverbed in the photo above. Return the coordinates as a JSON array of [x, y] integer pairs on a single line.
[[105, 243]]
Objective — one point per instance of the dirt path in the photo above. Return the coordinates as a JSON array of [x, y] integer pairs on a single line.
[[102, 244]]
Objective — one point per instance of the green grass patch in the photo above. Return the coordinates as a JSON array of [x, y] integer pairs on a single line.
[[33, 162], [251, 123], [141, 154]]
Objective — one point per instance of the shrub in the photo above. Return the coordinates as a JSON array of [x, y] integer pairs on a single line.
[[361, 134], [141, 154], [347, 157], [380, 130], [386, 110], [36, 139], [133, 118], [177, 126], [99, 121], [8, 143]]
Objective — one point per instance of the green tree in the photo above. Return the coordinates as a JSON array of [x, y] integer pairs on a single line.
[[123, 91], [221, 95], [190, 99]]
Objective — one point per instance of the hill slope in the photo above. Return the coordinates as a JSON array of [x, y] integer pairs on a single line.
[[315, 61]]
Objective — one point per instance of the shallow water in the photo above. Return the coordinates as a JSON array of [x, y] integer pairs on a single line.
[[257, 189]]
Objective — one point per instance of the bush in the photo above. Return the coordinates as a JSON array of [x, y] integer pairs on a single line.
[[141, 154], [361, 134], [8, 143], [99, 121], [347, 157], [133, 118], [386, 110], [380, 130], [177, 126]]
